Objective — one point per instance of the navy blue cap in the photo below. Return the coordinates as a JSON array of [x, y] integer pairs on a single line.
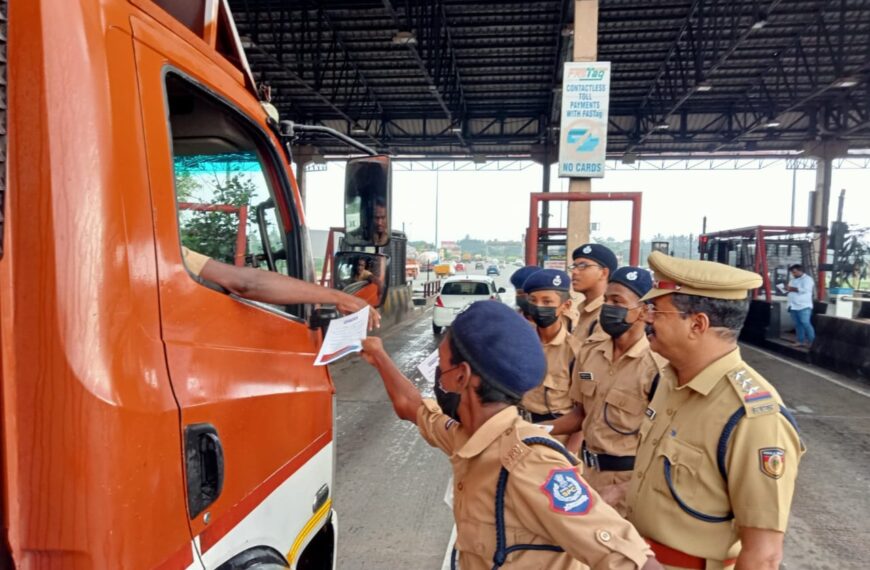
[[547, 280], [520, 275], [637, 279], [597, 253], [500, 346]]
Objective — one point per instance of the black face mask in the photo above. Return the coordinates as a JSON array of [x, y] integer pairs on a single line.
[[612, 320], [447, 401], [523, 305], [543, 316]]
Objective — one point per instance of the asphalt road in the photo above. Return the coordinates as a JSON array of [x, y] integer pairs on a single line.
[[390, 484]]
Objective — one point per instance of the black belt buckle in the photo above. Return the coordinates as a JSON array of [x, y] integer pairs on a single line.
[[590, 459]]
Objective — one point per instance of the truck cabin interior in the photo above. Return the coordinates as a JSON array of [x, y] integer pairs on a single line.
[[227, 178]]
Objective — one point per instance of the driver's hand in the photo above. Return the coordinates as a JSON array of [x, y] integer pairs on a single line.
[[348, 304]]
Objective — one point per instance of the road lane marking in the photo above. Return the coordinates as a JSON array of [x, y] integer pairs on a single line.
[[821, 375], [445, 565]]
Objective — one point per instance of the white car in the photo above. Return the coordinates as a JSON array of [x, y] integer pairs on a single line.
[[459, 292]]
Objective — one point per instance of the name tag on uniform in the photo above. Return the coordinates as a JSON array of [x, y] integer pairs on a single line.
[[650, 413], [585, 375]]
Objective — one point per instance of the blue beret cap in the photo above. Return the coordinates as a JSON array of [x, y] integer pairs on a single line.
[[597, 253], [637, 279], [500, 346], [547, 280], [520, 275]]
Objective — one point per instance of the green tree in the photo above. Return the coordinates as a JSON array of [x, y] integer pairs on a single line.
[[214, 233]]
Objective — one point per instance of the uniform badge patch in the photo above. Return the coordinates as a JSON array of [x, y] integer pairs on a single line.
[[557, 281], [631, 275], [772, 461], [567, 493], [587, 249], [650, 413], [585, 375]]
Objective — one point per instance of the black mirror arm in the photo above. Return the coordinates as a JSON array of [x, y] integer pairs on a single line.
[[321, 316], [289, 129]]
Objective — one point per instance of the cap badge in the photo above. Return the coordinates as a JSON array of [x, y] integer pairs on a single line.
[[587, 249], [557, 280], [631, 275]]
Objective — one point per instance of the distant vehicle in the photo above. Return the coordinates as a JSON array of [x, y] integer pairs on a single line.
[[460, 266], [518, 263], [493, 270], [458, 292], [478, 265], [445, 269]]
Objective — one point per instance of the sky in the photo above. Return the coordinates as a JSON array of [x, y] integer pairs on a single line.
[[495, 205]]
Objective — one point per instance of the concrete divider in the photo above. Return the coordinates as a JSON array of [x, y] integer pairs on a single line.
[[842, 345]]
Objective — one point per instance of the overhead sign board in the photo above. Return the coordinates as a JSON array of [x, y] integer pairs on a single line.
[[583, 130]]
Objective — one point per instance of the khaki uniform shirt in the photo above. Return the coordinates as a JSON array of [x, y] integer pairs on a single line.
[[684, 429], [551, 397], [534, 511], [613, 395], [193, 260], [588, 314]]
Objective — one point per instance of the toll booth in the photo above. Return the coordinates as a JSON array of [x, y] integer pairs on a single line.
[[769, 251]]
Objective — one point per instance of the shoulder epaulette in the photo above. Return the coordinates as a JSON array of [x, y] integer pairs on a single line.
[[753, 392]]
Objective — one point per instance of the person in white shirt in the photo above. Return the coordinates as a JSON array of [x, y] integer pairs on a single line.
[[800, 304]]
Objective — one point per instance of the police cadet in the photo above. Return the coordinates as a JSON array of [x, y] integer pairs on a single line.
[[518, 497], [593, 265], [549, 303], [718, 457], [517, 279], [613, 380]]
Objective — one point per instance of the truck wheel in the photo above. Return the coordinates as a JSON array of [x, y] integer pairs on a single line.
[[436, 329]]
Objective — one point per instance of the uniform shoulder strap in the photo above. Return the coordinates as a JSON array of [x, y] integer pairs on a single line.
[[502, 550], [753, 392], [654, 386], [592, 327]]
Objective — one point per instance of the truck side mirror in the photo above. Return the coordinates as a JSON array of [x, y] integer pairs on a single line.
[[367, 197], [363, 275]]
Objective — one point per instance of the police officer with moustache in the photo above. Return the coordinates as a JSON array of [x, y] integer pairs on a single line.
[[593, 265], [718, 455], [519, 500], [518, 278], [549, 303], [613, 380]]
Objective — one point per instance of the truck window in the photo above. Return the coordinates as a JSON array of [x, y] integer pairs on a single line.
[[224, 183]]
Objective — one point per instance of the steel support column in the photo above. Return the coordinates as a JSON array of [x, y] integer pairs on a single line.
[[585, 49]]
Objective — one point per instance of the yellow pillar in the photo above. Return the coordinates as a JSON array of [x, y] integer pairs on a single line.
[[585, 49]]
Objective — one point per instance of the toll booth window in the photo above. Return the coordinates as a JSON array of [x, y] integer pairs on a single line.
[[224, 183]]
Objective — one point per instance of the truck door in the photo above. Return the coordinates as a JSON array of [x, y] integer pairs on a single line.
[[256, 416]]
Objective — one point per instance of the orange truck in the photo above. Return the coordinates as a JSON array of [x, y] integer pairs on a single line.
[[150, 420]]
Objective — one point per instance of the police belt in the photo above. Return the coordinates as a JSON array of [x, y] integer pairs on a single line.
[[538, 418], [604, 462]]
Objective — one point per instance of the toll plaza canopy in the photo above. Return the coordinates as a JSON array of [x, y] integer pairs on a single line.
[[472, 78]]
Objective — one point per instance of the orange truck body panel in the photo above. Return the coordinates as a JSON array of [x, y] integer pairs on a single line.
[[109, 348]]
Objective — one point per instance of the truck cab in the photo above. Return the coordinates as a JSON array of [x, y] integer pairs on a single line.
[[151, 419]]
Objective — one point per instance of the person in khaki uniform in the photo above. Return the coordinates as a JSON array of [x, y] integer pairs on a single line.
[[614, 378], [519, 499], [718, 458], [549, 302], [270, 287], [518, 278], [593, 265]]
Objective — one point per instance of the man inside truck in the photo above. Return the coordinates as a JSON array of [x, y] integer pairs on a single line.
[[273, 288]]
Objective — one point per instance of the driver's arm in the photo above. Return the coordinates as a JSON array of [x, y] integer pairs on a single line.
[[273, 288]]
